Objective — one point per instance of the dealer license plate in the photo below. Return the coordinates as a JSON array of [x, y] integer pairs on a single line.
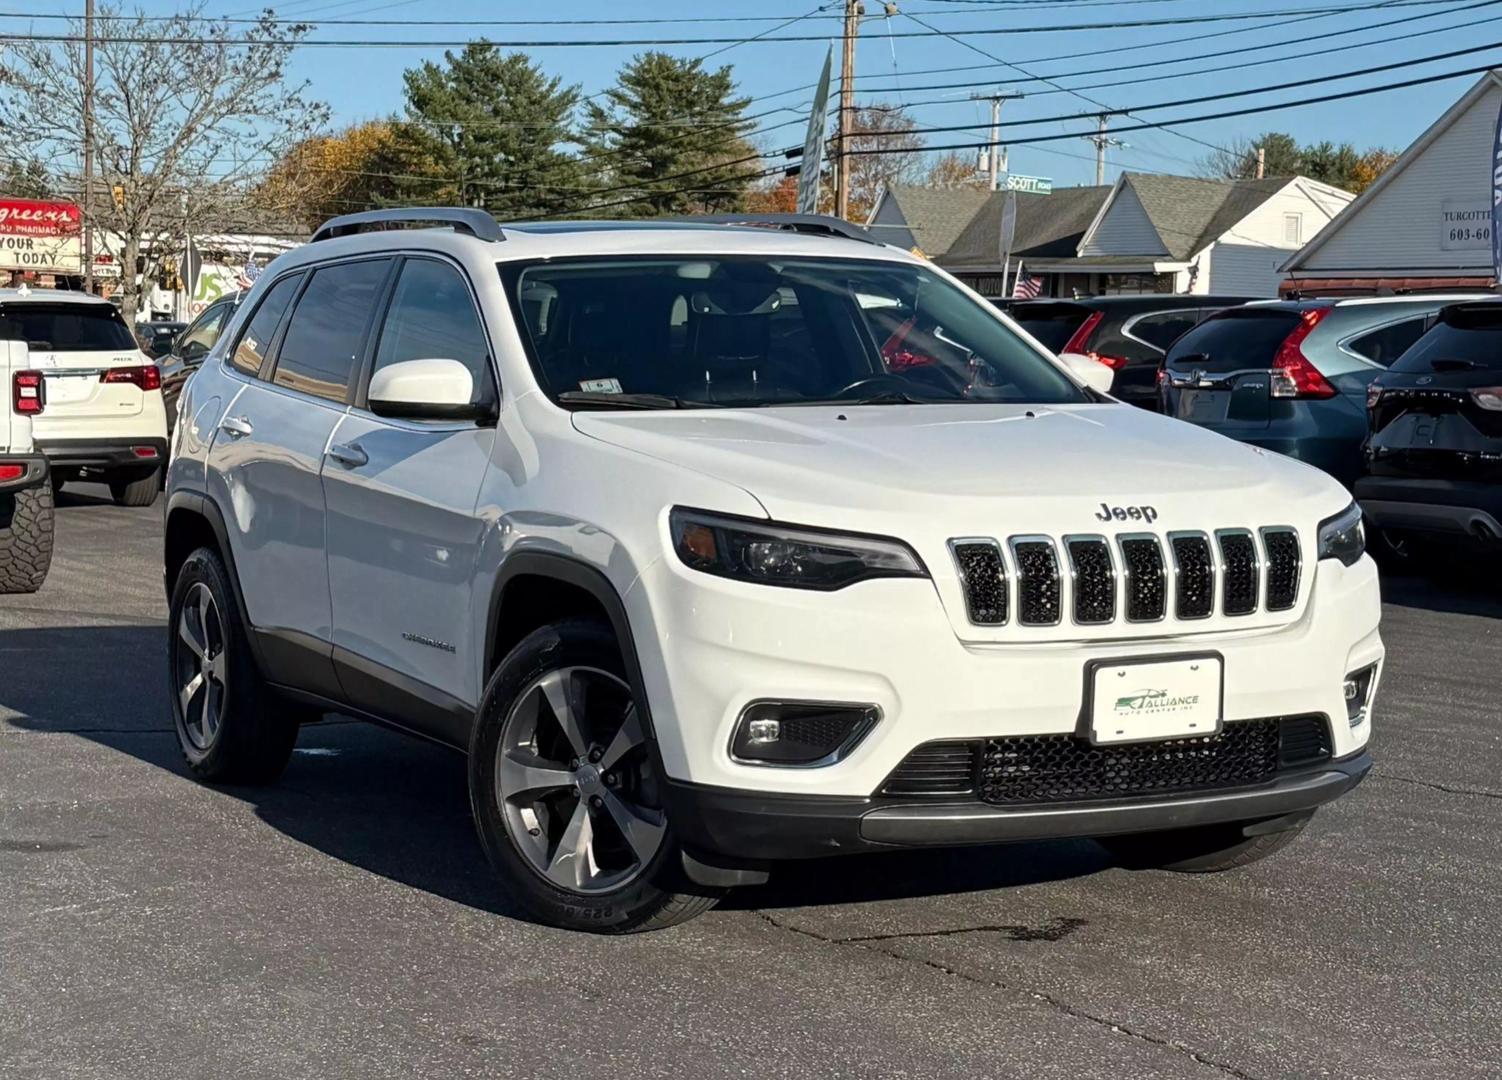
[[1159, 699]]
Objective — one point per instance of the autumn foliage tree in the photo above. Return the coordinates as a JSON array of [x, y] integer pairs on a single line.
[[887, 150], [358, 168]]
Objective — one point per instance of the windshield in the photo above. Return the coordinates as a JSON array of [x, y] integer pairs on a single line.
[[66, 327], [749, 332]]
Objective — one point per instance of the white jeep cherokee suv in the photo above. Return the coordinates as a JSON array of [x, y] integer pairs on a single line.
[[715, 545], [105, 418]]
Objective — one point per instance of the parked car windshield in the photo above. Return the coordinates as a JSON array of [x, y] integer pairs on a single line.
[[1052, 324], [1237, 339], [66, 327], [749, 331], [1468, 338]]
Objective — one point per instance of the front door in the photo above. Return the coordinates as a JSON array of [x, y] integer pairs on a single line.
[[403, 540]]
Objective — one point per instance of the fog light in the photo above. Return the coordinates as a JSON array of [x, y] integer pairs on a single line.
[[800, 733], [1358, 690]]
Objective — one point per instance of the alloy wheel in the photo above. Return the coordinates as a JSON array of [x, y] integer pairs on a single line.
[[198, 666], [575, 783]]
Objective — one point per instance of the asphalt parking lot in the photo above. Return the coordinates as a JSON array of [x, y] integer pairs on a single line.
[[342, 923]]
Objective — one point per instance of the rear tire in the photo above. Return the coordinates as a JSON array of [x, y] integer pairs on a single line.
[[550, 792], [135, 489], [1206, 850], [231, 727], [26, 533]]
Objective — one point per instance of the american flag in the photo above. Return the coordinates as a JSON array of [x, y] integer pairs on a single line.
[[1027, 286], [248, 273]]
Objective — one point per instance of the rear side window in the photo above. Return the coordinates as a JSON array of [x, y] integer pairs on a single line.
[[1386, 343], [250, 350], [432, 317], [1052, 324], [1235, 340], [321, 348], [1467, 338], [1163, 328], [66, 327]]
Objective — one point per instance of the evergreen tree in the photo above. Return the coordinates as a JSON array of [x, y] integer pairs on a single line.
[[498, 128], [671, 138]]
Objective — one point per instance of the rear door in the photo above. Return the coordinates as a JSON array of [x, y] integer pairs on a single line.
[[300, 370], [77, 345], [1219, 374], [403, 540]]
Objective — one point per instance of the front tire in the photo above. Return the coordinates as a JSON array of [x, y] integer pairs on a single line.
[[135, 489], [565, 791], [230, 725], [26, 530], [1209, 849]]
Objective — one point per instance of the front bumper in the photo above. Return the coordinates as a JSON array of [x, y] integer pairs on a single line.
[[35, 474], [753, 828], [104, 453]]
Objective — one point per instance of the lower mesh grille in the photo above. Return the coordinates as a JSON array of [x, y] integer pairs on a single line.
[[1027, 769], [1282, 568], [937, 768]]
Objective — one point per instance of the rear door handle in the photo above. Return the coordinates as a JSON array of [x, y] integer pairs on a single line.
[[349, 455], [236, 427]]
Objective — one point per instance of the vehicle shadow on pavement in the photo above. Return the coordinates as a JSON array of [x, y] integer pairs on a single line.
[[398, 807], [1468, 590]]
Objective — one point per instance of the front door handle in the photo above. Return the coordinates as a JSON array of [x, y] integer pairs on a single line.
[[236, 427], [349, 455]]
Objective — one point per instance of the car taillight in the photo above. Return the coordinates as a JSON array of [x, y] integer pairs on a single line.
[[29, 393], [11, 472], [1293, 376], [146, 376], [1078, 340], [1488, 397]]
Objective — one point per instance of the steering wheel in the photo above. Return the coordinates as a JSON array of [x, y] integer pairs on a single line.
[[877, 382]]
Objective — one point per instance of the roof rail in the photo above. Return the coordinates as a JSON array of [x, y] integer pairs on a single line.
[[476, 223], [814, 224]]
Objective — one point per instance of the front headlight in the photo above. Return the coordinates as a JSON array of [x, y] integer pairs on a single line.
[[792, 556], [1342, 537]]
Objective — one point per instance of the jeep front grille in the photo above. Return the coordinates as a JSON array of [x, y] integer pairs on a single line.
[[1132, 577], [1020, 770]]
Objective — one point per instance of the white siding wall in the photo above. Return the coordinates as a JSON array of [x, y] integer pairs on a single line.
[[1400, 228], [1246, 269], [1263, 227], [1125, 230]]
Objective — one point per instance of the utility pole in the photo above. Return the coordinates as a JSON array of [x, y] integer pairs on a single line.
[[854, 9], [87, 217], [1261, 162], [998, 152], [1102, 141]]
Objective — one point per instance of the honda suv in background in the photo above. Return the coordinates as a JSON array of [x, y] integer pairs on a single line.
[[1433, 468], [1292, 375], [714, 546], [105, 418], [1129, 334]]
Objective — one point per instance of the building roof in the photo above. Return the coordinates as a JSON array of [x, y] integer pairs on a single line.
[[936, 216], [1048, 226], [1189, 213]]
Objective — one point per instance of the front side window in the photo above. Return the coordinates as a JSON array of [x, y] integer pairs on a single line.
[[47, 327], [759, 331], [432, 317], [321, 348], [250, 350], [199, 338]]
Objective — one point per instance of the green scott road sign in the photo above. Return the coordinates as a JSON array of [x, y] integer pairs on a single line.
[[1036, 185]]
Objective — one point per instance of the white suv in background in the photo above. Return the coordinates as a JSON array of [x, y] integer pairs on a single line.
[[715, 545], [105, 418]]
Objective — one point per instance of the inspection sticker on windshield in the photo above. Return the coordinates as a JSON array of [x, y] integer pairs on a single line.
[[600, 386], [1163, 699]]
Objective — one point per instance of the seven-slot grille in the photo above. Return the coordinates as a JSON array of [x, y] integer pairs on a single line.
[[1134, 577]]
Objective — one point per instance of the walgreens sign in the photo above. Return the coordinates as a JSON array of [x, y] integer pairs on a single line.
[[41, 236]]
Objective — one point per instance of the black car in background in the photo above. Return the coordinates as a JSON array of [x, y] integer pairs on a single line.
[[190, 347], [1127, 333], [156, 337], [1433, 453]]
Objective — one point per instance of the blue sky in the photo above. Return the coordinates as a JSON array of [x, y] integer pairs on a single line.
[[360, 83]]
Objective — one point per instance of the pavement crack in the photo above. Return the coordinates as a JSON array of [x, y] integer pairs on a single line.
[[1053, 930], [870, 945], [1447, 788]]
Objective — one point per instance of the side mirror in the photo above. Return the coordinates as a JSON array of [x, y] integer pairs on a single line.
[[1092, 373], [190, 352], [425, 390]]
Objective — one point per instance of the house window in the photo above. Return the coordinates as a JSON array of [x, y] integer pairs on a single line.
[[1293, 228]]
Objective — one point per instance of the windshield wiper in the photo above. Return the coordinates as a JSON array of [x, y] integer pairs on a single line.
[[605, 400], [1446, 363]]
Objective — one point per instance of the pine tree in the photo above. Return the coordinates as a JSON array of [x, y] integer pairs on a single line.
[[498, 128], [670, 139]]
